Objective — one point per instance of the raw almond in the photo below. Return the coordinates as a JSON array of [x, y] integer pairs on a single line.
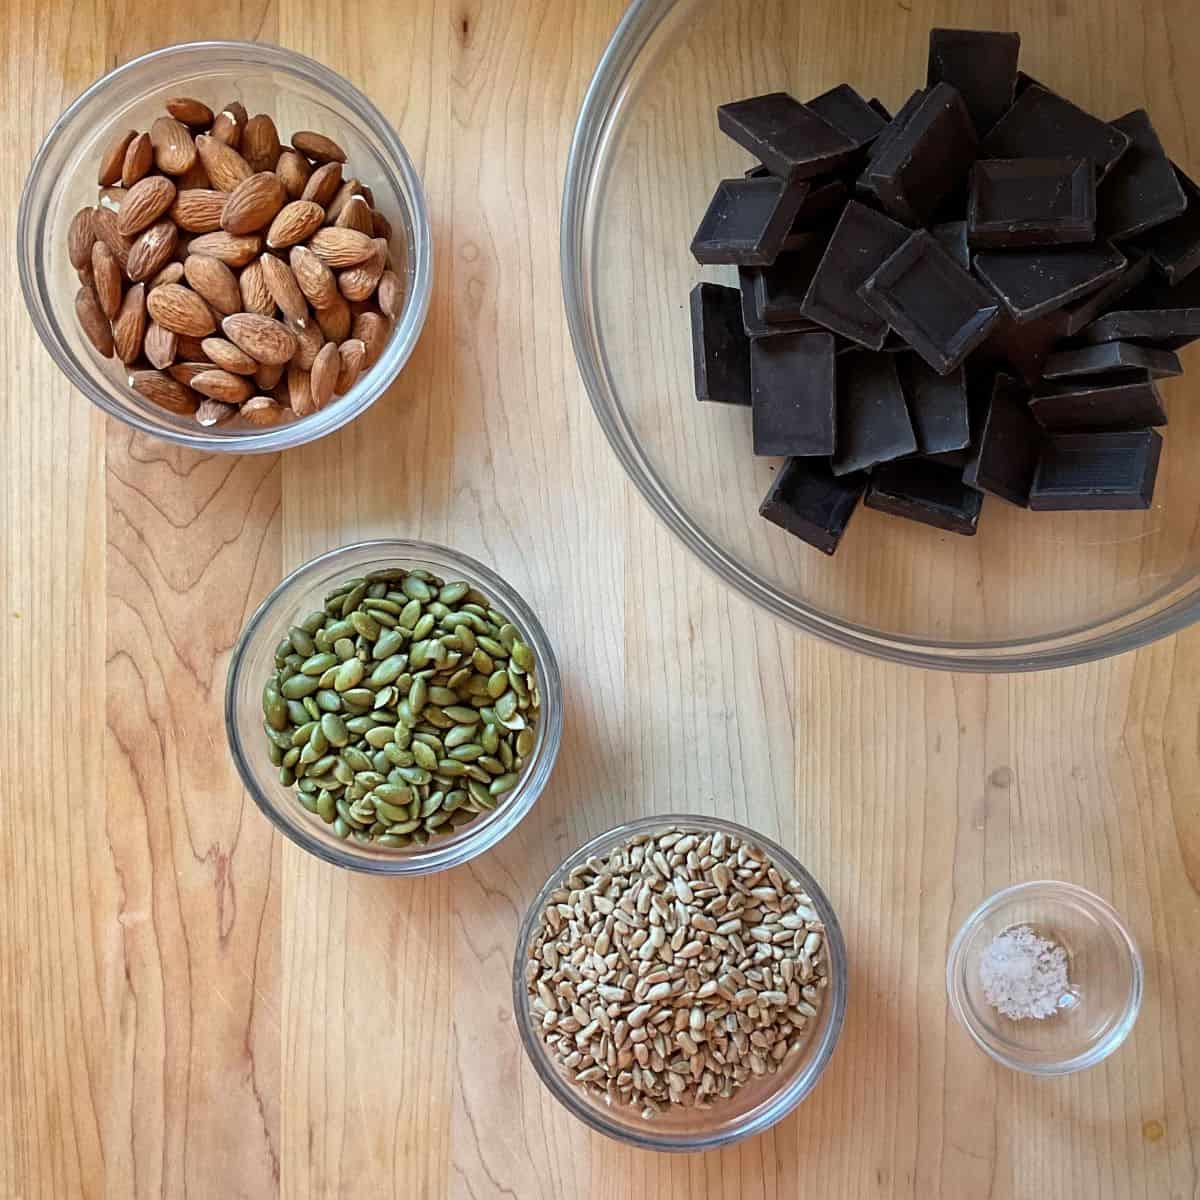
[[112, 198], [193, 113], [174, 147], [252, 205], [341, 247], [256, 298], [129, 327], [106, 278], [351, 356], [213, 412], [185, 372], [318, 147], [323, 184], [113, 159], [81, 237], [309, 340], [324, 373], [225, 166], [229, 357], [260, 143], [195, 177], [264, 339], [294, 170], [93, 322], [357, 283], [233, 249], [152, 251], [139, 158], [262, 410], [181, 310], [160, 345], [390, 294], [222, 385], [380, 225], [296, 222], [333, 210], [335, 319], [105, 223], [145, 202], [372, 329], [210, 278], [86, 276], [171, 273], [282, 285], [299, 388], [198, 210], [191, 349], [268, 375], [229, 123], [316, 280], [356, 214], [164, 391]]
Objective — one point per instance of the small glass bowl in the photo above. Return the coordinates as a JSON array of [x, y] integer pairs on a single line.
[[254, 659], [298, 94], [757, 1105], [1104, 970]]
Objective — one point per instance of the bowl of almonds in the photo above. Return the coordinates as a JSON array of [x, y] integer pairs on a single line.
[[680, 983], [226, 245]]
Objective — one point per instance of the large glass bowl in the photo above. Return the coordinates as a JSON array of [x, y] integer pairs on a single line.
[[299, 94], [754, 1107], [254, 660], [1031, 589]]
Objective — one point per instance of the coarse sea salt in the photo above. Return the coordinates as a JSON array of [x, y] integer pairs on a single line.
[[1024, 975]]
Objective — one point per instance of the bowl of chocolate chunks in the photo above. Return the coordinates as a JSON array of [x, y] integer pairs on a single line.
[[890, 339]]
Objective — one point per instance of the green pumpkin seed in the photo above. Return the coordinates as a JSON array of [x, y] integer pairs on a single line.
[[379, 737], [497, 684], [362, 698], [423, 628], [391, 641], [468, 752], [299, 686], [490, 739], [492, 647], [416, 589], [397, 755], [437, 718], [505, 783], [317, 739], [343, 772], [416, 775], [451, 768], [507, 635], [301, 641], [452, 593], [390, 812], [400, 828], [328, 701], [377, 604], [522, 656], [423, 756], [296, 712], [349, 675], [461, 715], [524, 742], [506, 706], [460, 735], [388, 670], [491, 764], [318, 664], [353, 598]]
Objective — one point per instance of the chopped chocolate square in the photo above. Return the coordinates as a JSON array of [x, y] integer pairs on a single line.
[[1080, 313], [937, 405], [747, 220], [873, 425], [1008, 446], [780, 288], [812, 503], [1033, 283], [1031, 202], [1142, 190], [794, 394], [1156, 312], [1116, 401], [1109, 357], [930, 492], [982, 64], [1174, 247], [1092, 471], [787, 137], [720, 349], [953, 236]]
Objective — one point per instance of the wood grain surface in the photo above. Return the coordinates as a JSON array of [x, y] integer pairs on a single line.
[[190, 1007]]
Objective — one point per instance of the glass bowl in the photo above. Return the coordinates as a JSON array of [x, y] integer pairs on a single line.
[[1031, 589], [254, 660], [299, 94], [1104, 972], [758, 1104]]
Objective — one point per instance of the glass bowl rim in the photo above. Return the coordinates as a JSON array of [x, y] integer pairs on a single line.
[[773, 1108], [405, 333], [1110, 918], [1169, 611], [435, 857]]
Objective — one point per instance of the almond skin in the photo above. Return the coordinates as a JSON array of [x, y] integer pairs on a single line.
[[323, 184], [164, 391], [253, 204], [185, 372], [222, 385], [81, 237], [333, 210], [294, 170], [372, 329], [225, 166], [260, 143], [228, 357], [268, 375], [264, 339], [341, 247], [357, 283], [380, 225], [171, 273], [113, 159], [213, 412], [324, 373], [334, 319], [104, 222], [93, 322], [198, 210], [284, 289], [145, 202], [356, 214], [316, 280], [318, 147], [106, 278], [351, 356], [390, 294], [129, 327], [234, 249], [161, 345], [309, 340], [256, 297], [229, 123], [193, 113], [152, 251], [174, 148], [181, 310], [296, 222], [211, 279], [299, 389], [262, 410], [195, 177], [139, 158]]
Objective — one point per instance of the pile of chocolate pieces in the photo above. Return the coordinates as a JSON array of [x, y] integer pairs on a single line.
[[975, 296]]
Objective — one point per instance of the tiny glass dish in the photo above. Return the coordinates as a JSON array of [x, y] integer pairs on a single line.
[[1104, 971], [297, 93], [759, 1103], [253, 662]]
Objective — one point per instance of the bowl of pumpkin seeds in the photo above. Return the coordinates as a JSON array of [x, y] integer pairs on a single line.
[[394, 707]]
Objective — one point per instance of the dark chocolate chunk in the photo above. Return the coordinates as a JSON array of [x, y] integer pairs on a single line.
[[1141, 191], [1031, 202], [1115, 401], [1008, 446], [1097, 471], [1080, 313], [1033, 283], [747, 220], [1174, 248], [927, 160], [861, 241], [754, 323], [927, 298], [848, 113], [1020, 348], [883, 142], [873, 425], [937, 405], [1109, 357], [881, 108], [787, 137], [780, 288], [930, 492], [982, 64], [822, 206], [953, 236], [1153, 312], [1026, 81], [1041, 124], [809, 501], [794, 396], [720, 349]]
